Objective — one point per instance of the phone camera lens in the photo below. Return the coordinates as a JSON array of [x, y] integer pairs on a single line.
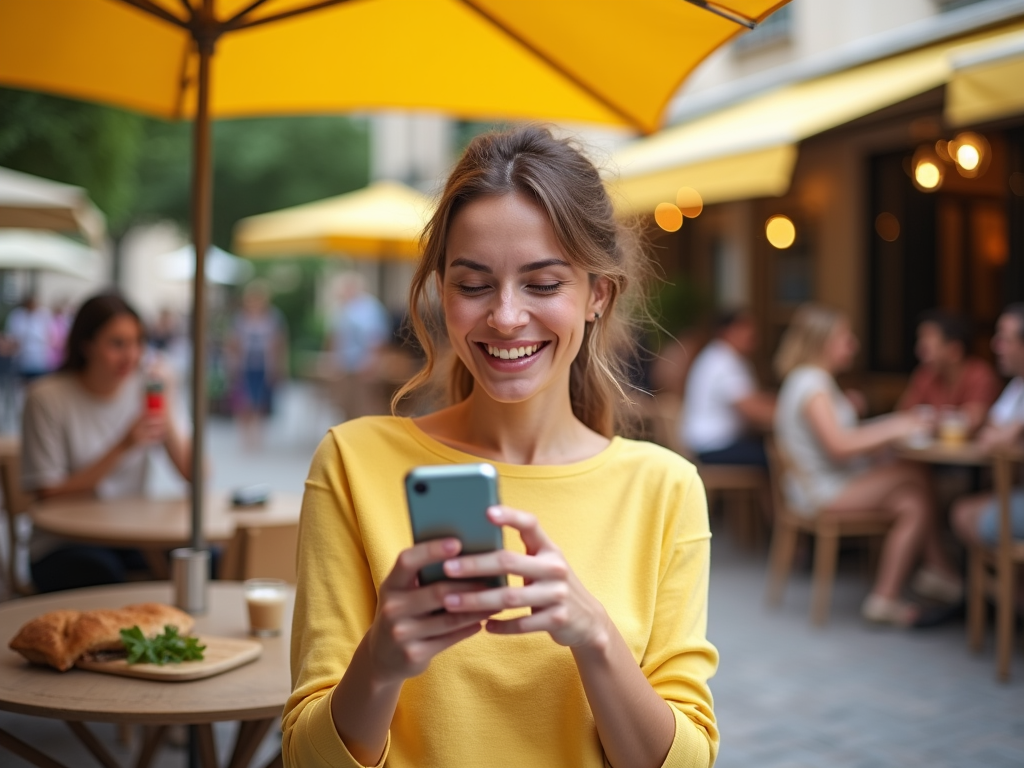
[[420, 488]]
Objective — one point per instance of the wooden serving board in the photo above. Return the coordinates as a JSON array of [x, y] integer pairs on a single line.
[[221, 654]]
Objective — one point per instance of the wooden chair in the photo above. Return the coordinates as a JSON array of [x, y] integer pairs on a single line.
[[826, 530], [16, 505], [992, 572], [266, 551]]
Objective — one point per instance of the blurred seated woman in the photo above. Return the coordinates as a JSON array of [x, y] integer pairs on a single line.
[[86, 432], [836, 467]]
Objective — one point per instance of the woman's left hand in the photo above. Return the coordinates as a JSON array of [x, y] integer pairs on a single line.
[[559, 603]]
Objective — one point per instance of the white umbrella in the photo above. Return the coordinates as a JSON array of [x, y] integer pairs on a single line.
[[221, 266], [37, 249], [29, 202]]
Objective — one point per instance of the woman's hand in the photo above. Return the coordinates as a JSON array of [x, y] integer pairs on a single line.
[[149, 429], [559, 603], [408, 631]]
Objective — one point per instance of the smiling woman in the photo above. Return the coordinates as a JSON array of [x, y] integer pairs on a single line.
[[594, 653]]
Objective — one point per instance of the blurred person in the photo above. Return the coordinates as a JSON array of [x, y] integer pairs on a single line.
[[975, 518], [604, 660], [57, 338], [723, 408], [359, 328], [257, 354], [28, 326], [835, 467], [164, 332], [948, 377], [87, 430]]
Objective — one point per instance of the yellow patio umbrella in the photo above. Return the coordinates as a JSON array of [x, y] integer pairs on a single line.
[[383, 220], [616, 62]]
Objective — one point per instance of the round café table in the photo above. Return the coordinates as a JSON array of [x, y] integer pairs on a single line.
[[156, 525], [254, 693], [961, 454]]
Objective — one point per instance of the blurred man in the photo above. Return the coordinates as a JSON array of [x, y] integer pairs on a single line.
[[359, 328], [723, 407], [28, 327], [975, 517], [947, 376]]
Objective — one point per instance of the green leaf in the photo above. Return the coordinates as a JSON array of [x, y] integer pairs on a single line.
[[168, 648]]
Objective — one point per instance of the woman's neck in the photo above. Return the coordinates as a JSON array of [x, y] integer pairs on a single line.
[[536, 431], [97, 384]]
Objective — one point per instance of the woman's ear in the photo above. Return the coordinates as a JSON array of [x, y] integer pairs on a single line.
[[600, 295]]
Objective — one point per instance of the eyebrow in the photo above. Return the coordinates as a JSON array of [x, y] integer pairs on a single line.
[[533, 266]]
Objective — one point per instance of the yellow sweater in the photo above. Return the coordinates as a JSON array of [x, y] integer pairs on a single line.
[[632, 523]]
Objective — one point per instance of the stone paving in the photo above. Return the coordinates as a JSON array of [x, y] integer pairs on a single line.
[[787, 695]]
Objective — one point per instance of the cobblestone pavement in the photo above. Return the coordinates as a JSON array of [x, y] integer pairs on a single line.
[[787, 695]]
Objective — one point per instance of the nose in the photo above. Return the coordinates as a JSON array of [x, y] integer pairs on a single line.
[[508, 312]]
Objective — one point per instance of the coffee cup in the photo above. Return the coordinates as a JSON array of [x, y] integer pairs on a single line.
[[265, 600]]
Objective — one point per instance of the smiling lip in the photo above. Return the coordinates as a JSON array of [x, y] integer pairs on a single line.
[[508, 356]]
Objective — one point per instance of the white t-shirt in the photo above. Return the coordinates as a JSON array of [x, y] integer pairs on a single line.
[[32, 332], [1009, 408], [719, 378], [816, 479]]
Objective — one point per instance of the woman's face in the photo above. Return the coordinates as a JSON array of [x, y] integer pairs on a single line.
[[515, 308], [116, 349], [841, 347]]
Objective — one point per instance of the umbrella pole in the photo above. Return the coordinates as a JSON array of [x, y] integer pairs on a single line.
[[202, 214]]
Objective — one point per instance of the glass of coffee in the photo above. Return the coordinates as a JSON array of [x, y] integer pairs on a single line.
[[265, 599]]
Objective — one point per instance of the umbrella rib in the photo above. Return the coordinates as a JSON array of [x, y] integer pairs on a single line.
[[155, 10], [725, 13], [554, 65], [188, 8], [232, 25], [244, 12]]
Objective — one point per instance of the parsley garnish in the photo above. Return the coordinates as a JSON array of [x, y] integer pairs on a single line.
[[168, 648]]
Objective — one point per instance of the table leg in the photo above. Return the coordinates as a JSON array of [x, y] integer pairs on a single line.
[[151, 741], [250, 735], [26, 752], [207, 747], [88, 738]]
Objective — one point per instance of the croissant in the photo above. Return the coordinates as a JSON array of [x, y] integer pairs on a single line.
[[60, 638]]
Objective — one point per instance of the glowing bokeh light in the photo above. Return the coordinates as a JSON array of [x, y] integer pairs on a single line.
[[968, 157], [689, 202], [668, 216], [927, 174], [887, 226], [780, 231]]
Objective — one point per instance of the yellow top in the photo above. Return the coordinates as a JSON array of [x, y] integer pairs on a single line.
[[632, 523]]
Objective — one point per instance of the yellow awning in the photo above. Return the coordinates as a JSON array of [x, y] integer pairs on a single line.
[[749, 149], [987, 84], [383, 220]]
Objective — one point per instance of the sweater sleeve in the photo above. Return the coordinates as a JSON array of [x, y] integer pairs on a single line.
[[44, 458], [335, 602], [679, 660]]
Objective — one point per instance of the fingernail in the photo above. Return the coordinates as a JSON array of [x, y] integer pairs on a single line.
[[452, 601], [451, 545], [453, 566], [494, 512]]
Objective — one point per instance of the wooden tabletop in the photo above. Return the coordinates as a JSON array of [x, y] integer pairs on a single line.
[[155, 523], [964, 454], [255, 691]]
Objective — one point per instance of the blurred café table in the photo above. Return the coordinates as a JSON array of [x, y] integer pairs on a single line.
[[962, 454], [155, 526], [253, 694]]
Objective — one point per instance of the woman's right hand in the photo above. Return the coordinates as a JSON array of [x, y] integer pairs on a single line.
[[408, 631], [149, 429]]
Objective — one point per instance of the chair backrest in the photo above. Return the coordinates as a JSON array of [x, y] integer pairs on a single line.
[[16, 504], [268, 551], [778, 466]]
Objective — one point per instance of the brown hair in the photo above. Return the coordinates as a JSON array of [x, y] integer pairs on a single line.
[[554, 174], [95, 313], [804, 340]]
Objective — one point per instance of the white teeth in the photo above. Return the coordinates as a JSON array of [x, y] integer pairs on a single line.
[[512, 354]]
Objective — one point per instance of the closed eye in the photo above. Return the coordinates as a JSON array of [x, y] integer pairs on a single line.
[[470, 290], [545, 287]]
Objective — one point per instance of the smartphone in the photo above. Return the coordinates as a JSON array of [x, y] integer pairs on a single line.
[[452, 500]]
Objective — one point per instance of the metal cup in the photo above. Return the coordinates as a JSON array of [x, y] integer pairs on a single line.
[[190, 570]]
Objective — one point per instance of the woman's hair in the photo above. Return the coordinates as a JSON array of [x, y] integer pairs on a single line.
[[803, 342], [95, 313], [555, 175]]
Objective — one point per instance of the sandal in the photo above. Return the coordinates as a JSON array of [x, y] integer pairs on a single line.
[[938, 586], [884, 610]]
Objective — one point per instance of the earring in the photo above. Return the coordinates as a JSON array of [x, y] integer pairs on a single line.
[[597, 316]]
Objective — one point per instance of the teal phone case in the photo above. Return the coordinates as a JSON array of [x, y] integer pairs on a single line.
[[452, 500]]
